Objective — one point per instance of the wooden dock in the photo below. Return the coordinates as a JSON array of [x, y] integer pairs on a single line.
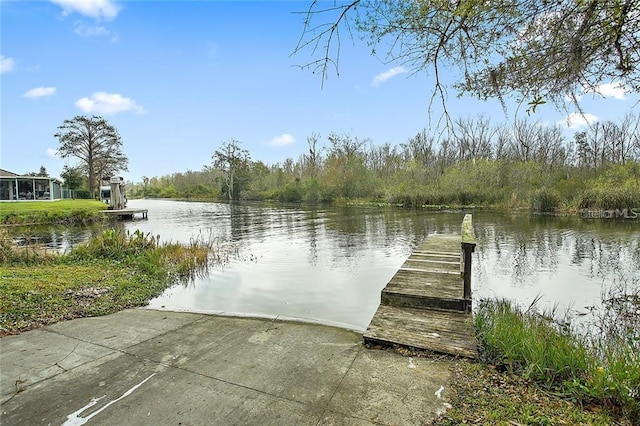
[[427, 303], [126, 213]]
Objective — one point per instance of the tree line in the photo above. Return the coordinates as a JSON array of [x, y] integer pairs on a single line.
[[525, 164], [532, 51]]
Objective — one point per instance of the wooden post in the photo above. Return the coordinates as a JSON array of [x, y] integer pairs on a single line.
[[116, 199], [468, 246]]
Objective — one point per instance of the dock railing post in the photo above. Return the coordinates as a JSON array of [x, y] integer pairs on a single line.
[[468, 246]]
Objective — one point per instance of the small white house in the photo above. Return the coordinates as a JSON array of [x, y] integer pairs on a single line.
[[14, 187]]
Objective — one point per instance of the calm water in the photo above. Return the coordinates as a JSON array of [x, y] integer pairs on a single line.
[[329, 264]]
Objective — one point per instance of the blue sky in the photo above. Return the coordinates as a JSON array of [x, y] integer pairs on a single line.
[[179, 78]]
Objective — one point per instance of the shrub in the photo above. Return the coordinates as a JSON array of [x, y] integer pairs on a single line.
[[610, 198], [83, 194], [545, 200]]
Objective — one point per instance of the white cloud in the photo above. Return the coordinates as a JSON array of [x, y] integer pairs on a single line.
[[51, 153], [90, 30], [108, 103], [84, 30], [97, 9], [386, 75], [6, 64], [282, 140], [39, 92], [614, 90], [575, 120]]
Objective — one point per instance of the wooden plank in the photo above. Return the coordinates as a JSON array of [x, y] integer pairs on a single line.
[[447, 257], [431, 270], [417, 278], [441, 242], [432, 290], [432, 264], [443, 262], [404, 300], [439, 331], [435, 253]]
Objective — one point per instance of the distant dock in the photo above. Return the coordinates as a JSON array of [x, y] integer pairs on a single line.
[[427, 303], [127, 213]]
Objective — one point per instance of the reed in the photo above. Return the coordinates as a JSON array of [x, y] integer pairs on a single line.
[[600, 367]]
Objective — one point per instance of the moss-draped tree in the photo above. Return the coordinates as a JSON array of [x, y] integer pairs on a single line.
[[96, 144]]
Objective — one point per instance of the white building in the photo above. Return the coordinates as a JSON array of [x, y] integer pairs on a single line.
[[14, 187]]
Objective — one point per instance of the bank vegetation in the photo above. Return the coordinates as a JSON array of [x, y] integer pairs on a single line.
[[60, 212], [113, 271], [526, 165], [543, 368]]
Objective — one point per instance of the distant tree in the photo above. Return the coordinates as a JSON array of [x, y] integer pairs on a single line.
[[313, 159], [145, 180], [73, 177], [536, 49], [42, 173], [231, 159], [96, 144], [346, 168]]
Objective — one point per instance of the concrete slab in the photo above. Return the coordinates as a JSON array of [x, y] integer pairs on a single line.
[[385, 388], [128, 390], [39, 355], [51, 401], [301, 362], [192, 369], [336, 419], [126, 328], [184, 398]]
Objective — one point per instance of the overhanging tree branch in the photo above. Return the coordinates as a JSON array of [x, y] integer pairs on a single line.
[[529, 50]]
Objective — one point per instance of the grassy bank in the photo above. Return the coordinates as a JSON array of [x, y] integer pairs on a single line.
[[114, 271], [538, 370], [67, 212]]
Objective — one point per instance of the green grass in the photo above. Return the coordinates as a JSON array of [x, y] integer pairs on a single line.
[[114, 271], [35, 296], [592, 369], [61, 211]]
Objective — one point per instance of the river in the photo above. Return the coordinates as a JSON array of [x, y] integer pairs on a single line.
[[329, 264]]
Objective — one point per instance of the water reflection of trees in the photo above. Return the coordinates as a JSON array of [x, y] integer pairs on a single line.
[[519, 248], [57, 237], [524, 246]]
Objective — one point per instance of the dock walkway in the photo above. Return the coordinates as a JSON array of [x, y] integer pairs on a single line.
[[425, 305], [126, 213]]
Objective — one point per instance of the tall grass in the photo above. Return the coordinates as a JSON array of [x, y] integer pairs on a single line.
[[526, 342], [184, 261], [610, 198], [113, 271], [615, 337], [545, 200], [600, 367]]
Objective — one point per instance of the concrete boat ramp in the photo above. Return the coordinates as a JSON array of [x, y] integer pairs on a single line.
[[146, 367]]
